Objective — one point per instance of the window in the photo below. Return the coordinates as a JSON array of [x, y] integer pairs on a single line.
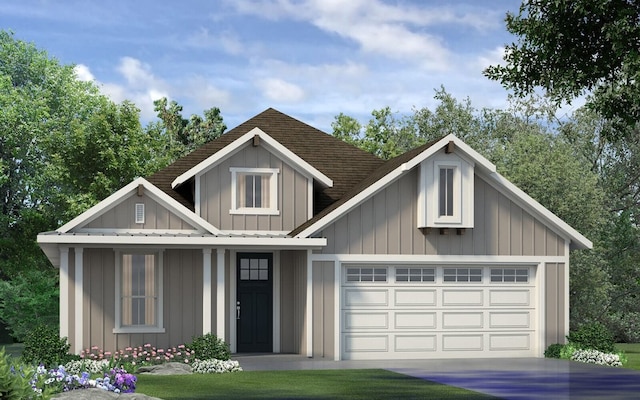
[[366, 274], [463, 274], [415, 275], [254, 191], [254, 269], [519, 275], [445, 192], [139, 293]]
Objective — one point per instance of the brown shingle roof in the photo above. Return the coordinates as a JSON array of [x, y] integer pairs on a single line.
[[375, 176], [345, 164]]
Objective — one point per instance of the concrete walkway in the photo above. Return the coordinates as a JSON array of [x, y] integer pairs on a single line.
[[519, 378]]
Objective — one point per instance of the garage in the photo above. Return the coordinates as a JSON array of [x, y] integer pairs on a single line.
[[444, 311]]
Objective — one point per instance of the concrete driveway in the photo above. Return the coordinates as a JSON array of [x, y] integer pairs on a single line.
[[520, 378]]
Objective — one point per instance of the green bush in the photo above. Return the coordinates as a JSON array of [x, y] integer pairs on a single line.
[[208, 347], [593, 335], [566, 352], [43, 345], [553, 351], [13, 385]]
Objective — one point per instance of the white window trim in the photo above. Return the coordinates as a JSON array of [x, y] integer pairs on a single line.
[[139, 213], [456, 218], [159, 328], [273, 191]]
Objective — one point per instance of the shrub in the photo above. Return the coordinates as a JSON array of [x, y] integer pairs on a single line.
[[566, 352], [43, 345], [209, 347], [14, 382], [593, 335], [553, 351], [597, 357]]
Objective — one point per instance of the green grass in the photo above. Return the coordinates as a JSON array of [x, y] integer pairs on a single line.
[[632, 351], [304, 384]]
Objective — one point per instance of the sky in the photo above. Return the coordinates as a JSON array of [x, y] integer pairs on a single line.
[[311, 59]]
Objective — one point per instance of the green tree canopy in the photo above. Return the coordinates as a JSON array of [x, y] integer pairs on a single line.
[[571, 48]]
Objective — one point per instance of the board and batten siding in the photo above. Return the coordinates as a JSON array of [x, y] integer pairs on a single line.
[[293, 299], [122, 216], [324, 309], [386, 224], [215, 193], [182, 305], [555, 321]]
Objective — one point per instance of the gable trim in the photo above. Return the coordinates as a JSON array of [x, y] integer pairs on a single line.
[[277, 147], [153, 192]]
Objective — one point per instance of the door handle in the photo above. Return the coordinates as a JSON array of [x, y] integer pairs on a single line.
[[237, 310]]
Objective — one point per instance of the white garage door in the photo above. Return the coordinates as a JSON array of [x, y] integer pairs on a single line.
[[414, 311]]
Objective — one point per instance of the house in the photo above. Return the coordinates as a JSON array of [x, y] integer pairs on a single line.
[[280, 238]]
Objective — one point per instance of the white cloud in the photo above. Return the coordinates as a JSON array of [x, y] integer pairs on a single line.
[[281, 91], [226, 40], [493, 57], [83, 73]]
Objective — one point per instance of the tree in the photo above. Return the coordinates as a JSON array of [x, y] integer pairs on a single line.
[[183, 135], [571, 48]]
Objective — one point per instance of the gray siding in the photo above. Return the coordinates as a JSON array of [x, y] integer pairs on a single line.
[[122, 216], [182, 311], [215, 194], [293, 299], [555, 285], [386, 224], [324, 309]]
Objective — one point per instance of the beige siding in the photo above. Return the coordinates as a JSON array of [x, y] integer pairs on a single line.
[[215, 194], [323, 309], [555, 308], [182, 301], [386, 224], [293, 283], [122, 216]]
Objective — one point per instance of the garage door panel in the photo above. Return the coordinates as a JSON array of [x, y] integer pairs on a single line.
[[508, 342], [513, 297], [366, 320], [415, 297], [366, 297], [462, 320], [415, 343], [452, 342], [510, 319], [366, 343], [456, 298], [415, 320]]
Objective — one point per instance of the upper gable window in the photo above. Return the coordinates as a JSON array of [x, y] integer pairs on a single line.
[[445, 193], [254, 191]]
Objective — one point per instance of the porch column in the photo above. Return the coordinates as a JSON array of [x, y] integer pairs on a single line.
[[206, 291], [309, 306], [220, 294], [79, 301], [64, 292]]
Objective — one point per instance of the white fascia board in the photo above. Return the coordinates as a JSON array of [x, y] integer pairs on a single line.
[[190, 241], [391, 176], [153, 192], [273, 144], [581, 241]]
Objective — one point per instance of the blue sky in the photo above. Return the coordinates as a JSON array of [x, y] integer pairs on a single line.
[[311, 59]]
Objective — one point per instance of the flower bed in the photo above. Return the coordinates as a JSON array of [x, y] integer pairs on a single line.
[[597, 357], [215, 366]]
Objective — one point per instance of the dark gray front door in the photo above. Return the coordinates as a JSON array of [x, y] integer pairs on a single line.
[[255, 302]]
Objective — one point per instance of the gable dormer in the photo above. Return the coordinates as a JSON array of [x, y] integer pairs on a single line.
[[254, 184], [445, 190]]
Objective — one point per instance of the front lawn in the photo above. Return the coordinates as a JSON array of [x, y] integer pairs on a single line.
[[632, 351], [305, 384]]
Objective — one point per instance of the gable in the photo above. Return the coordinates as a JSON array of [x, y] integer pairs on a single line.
[[386, 224]]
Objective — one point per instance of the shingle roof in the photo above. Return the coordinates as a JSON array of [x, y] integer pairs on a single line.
[[345, 164], [379, 173]]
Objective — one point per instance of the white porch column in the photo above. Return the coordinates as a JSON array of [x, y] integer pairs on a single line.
[[79, 301], [220, 294], [206, 291], [309, 306], [64, 292]]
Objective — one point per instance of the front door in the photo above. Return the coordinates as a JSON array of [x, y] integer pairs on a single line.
[[254, 302]]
